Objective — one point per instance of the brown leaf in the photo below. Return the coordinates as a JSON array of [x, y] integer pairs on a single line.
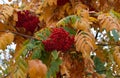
[[107, 22], [100, 54], [85, 43], [37, 69], [84, 38], [6, 12], [72, 68], [19, 40], [116, 55], [2, 27]]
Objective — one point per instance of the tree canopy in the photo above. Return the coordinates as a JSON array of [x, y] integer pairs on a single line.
[[60, 39]]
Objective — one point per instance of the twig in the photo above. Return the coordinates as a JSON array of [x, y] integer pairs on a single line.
[[101, 44], [23, 35], [31, 37], [97, 34]]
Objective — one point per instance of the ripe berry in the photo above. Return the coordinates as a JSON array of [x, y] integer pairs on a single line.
[[62, 2]]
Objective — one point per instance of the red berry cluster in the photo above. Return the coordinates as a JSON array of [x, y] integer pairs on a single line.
[[27, 20], [58, 40], [62, 2]]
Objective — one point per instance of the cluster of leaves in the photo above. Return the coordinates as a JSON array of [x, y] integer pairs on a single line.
[[52, 51]]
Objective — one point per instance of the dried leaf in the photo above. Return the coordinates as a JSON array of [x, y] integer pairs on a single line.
[[50, 2], [6, 12], [82, 24], [19, 44], [86, 38], [107, 22], [37, 69], [85, 43], [6, 39], [2, 27], [116, 55]]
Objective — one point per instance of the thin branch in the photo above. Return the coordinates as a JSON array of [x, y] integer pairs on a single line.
[[102, 44], [31, 37], [17, 33], [97, 34]]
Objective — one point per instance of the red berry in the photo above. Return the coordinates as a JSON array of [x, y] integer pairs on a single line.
[[58, 40], [27, 20], [62, 2]]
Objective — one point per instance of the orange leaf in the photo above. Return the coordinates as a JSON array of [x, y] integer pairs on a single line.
[[6, 39], [116, 55], [37, 69], [19, 44], [107, 22]]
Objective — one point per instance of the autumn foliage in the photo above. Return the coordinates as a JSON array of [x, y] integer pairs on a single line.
[[60, 39], [37, 69]]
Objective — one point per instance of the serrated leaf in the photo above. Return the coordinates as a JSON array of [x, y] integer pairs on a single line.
[[43, 34], [74, 19], [108, 22], [6, 39], [44, 56], [30, 46], [54, 68], [115, 35], [36, 54], [68, 19], [99, 65], [109, 74], [48, 32], [55, 54], [70, 30], [37, 69], [115, 14]]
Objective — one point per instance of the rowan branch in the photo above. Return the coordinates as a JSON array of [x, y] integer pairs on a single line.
[[31, 37], [105, 44], [17, 33]]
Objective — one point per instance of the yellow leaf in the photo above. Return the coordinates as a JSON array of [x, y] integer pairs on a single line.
[[85, 38], [6, 39], [50, 2], [19, 44], [6, 12], [92, 19], [82, 24]]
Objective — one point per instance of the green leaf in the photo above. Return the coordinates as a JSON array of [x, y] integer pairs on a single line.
[[115, 14], [55, 54], [74, 19], [99, 65], [109, 74], [36, 54], [45, 57], [48, 32], [69, 19], [54, 68], [70, 30], [115, 35], [43, 34]]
